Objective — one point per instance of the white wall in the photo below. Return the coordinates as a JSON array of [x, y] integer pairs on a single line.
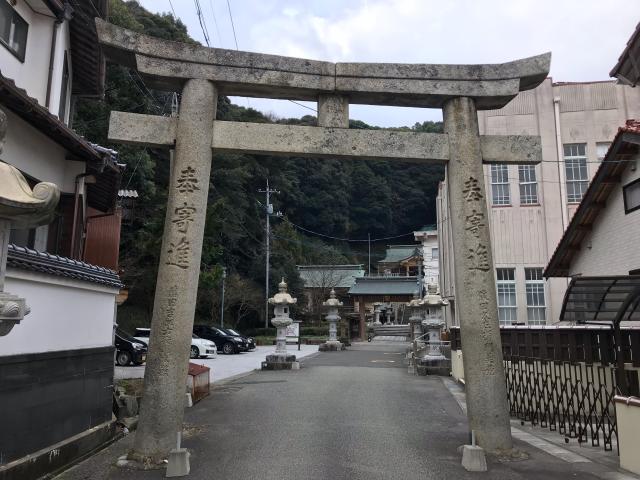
[[32, 74], [35, 154], [612, 246], [65, 314]]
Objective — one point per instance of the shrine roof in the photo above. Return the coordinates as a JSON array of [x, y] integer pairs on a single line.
[[385, 285], [398, 253], [330, 276]]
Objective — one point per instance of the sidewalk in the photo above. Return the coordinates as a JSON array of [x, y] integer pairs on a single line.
[[225, 366], [604, 465]]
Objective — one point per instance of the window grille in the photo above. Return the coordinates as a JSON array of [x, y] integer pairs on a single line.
[[575, 162], [506, 290], [528, 184], [536, 305], [500, 193]]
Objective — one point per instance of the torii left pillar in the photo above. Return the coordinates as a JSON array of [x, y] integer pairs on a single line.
[[162, 411]]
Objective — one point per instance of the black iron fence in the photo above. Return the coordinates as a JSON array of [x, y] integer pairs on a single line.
[[565, 378]]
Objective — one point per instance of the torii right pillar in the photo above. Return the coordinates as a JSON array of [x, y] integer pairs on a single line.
[[487, 407]]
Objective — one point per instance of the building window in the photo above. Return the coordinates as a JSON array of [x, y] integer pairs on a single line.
[[13, 31], [506, 289], [536, 306], [575, 163], [601, 150], [528, 184], [500, 185], [62, 109], [631, 195], [434, 254]]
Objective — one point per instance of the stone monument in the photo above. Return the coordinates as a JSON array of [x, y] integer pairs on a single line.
[[20, 207], [332, 305], [281, 302], [416, 307], [199, 72], [376, 314]]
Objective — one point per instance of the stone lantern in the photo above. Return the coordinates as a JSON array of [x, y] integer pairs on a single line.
[[376, 314], [332, 305], [433, 361], [20, 207], [281, 302], [416, 307]]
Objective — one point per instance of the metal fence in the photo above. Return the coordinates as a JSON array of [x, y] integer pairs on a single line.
[[565, 377], [576, 400]]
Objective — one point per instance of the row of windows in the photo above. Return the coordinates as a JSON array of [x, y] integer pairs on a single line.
[[576, 172], [506, 292]]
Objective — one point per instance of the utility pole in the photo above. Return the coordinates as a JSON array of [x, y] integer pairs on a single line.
[[268, 207], [369, 238], [224, 276]]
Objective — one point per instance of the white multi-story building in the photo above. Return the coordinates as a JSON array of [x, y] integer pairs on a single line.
[[428, 236], [531, 206]]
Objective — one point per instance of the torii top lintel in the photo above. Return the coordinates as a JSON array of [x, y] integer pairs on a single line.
[[167, 65]]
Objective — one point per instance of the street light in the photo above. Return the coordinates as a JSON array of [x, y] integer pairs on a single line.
[[224, 275]]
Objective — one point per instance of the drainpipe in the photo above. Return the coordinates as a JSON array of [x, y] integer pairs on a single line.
[[79, 186], [561, 177], [52, 58]]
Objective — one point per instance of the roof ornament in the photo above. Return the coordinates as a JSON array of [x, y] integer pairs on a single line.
[[20, 207]]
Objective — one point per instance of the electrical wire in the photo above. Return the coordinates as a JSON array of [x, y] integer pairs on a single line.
[[233, 27], [203, 24], [172, 9], [366, 240]]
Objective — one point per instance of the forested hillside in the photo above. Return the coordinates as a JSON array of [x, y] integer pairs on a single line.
[[345, 199]]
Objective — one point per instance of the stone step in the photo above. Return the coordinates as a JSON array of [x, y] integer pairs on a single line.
[[390, 338], [392, 330]]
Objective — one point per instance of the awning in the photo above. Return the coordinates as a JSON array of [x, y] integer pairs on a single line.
[[610, 299]]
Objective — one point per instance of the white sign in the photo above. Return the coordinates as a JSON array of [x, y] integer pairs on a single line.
[[293, 332]]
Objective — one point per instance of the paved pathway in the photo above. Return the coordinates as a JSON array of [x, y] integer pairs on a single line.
[[225, 366], [355, 414]]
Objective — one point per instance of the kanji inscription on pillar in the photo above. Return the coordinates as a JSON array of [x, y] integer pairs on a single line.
[[187, 181], [472, 191], [474, 222], [478, 258], [183, 217], [179, 253]]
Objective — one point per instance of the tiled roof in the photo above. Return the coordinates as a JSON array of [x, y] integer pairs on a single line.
[[330, 276], [626, 70], [397, 253], [101, 161], [41, 262], [385, 286], [625, 146]]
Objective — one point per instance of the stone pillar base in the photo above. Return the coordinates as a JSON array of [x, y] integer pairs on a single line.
[[331, 346], [433, 365], [280, 362]]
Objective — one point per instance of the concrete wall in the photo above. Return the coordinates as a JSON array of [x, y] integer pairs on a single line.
[[611, 248], [628, 420], [430, 264], [65, 314], [32, 74], [526, 235]]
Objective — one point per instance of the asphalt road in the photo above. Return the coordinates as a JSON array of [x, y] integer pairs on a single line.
[[355, 414]]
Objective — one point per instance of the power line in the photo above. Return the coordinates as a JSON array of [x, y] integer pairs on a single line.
[[203, 25], [304, 106], [174, 12], [365, 240], [235, 38], [215, 22]]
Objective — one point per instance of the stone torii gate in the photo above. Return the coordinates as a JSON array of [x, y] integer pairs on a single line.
[[204, 73]]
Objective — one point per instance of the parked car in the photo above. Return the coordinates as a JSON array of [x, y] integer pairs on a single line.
[[225, 342], [129, 349], [251, 344], [200, 347]]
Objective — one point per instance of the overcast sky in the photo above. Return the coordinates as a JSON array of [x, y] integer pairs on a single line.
[[585, 36]]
